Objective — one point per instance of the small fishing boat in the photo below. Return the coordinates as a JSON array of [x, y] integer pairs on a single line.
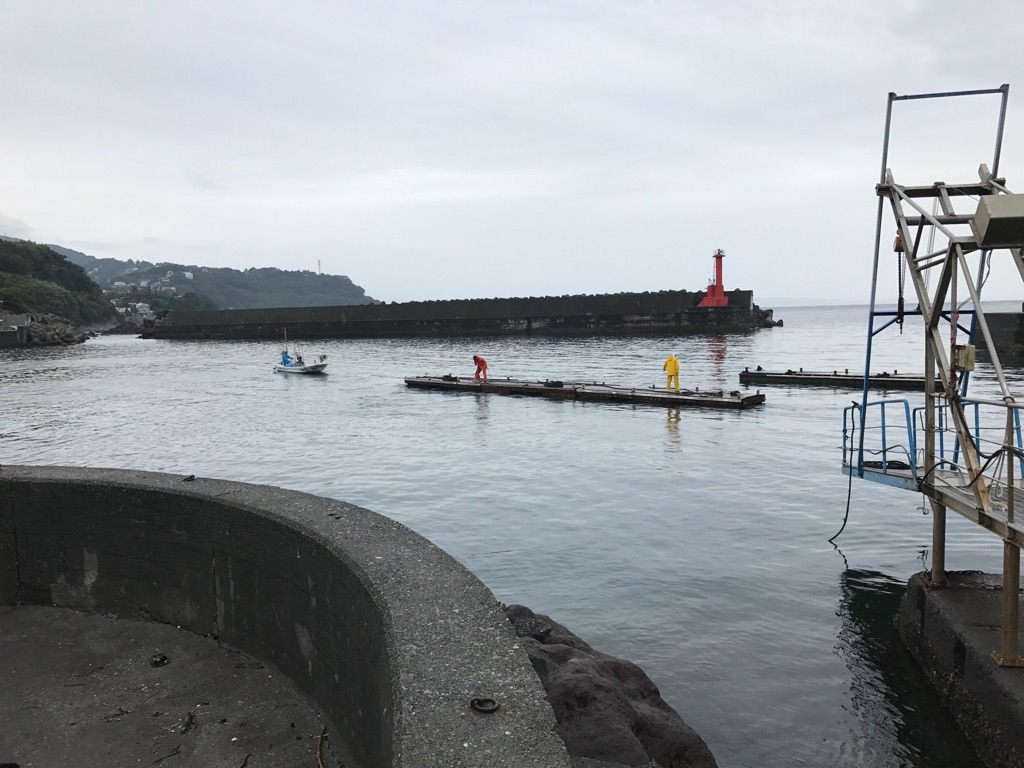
[[296, 364]]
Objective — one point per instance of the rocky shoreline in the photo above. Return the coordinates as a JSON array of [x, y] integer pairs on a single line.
[[609, 712], [49, 330], [46, 330]]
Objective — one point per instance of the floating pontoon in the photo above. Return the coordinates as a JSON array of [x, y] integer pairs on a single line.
[[838, 379], [558, 390]]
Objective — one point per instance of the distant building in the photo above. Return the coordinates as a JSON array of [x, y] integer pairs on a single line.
[[188, 275]]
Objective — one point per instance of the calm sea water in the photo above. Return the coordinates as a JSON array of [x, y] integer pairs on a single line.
[[692, 542]]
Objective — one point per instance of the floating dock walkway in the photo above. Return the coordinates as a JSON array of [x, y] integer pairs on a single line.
[[557, 390], [846, 380]]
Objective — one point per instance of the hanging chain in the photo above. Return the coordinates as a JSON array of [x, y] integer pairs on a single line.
[[901, 273]]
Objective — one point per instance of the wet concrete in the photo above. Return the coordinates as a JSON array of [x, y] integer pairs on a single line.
[[952, 633], [81, 689]]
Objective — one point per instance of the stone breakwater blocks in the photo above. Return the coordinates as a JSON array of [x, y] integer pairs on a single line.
[[390, 636], [952, 632]]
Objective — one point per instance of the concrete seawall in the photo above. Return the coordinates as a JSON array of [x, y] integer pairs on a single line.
[[952, 632], [609, 314], [1007, 329], [390, 636]]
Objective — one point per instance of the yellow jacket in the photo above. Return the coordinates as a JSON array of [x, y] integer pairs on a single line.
[[671, 366]]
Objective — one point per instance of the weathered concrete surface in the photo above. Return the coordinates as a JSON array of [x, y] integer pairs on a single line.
[[388, 635], [952, 633], [81, 689], [1007, 329], [607, 314]]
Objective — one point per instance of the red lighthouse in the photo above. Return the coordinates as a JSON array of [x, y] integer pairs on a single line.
[[716, 291]]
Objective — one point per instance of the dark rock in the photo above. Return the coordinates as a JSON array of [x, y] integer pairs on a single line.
[[47, 330], [608, 711]]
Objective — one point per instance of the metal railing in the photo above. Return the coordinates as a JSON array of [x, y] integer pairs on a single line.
[[995, 431], [876, 441]]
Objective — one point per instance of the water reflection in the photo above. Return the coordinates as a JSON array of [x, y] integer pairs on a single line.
[[889, 695], [482, 407], [673, 441], [717, 346]]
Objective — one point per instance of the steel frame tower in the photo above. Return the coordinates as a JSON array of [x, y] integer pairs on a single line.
[[970, 446]]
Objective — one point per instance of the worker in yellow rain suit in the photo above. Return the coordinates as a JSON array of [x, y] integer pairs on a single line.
[[671, 368]]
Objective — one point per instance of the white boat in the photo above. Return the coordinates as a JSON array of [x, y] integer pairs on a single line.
[[296, 364]]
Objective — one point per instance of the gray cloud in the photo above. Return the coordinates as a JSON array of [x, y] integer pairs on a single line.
[[483, 148]]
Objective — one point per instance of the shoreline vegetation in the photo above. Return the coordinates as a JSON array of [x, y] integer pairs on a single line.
[[55, 295]]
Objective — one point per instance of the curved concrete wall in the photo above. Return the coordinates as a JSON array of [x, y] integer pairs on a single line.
[[388, 634]]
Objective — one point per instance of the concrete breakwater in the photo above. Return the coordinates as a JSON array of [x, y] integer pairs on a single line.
[[607, 314]]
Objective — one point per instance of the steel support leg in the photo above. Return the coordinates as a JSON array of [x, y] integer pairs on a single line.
[[1007, 654], [938, 574]]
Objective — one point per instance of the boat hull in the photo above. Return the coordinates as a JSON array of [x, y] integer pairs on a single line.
[[307, 369]]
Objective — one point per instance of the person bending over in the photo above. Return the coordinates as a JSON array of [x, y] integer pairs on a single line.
[[481, 367]]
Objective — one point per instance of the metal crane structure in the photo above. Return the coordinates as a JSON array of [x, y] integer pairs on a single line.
[[963, 454]]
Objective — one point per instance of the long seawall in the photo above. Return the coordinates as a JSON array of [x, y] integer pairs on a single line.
[[606, 314], [390, 636]]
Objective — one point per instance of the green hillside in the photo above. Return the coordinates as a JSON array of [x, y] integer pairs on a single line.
[[226, 288], [34, 278]]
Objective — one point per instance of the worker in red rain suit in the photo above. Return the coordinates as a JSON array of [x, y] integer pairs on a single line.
[[481, 367]]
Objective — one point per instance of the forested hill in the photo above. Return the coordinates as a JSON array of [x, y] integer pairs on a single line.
[[225, 288], [35, 279]]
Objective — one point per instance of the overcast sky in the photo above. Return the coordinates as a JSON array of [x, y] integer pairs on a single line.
[[461, 149]]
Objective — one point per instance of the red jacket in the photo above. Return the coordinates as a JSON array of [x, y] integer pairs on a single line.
[[480, 362]]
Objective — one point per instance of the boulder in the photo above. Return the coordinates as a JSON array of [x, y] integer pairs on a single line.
[[48, 330], [608, 710]]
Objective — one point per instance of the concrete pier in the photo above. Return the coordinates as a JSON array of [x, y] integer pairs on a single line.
[[396, 644], [953, 632]]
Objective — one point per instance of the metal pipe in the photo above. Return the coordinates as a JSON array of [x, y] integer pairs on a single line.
[[981, 92], [933, 220], [1005, 90], [938, 573], [874, 285], [1011, 604], [979, 317]]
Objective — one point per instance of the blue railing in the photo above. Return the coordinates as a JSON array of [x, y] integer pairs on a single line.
[[889, 429], [878, 440]]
